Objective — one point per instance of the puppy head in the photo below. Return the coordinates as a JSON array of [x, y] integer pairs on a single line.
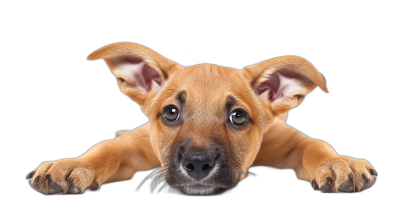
[[207, 121]]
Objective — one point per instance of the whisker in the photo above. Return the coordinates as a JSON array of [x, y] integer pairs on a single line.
[[173, 84], [176, 91], [165, 184], [239, 172], [148, 177], [156, 181], [251, 173], [159, 177], [169, 93]]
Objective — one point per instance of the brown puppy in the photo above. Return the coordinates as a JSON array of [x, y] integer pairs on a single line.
[[208, 125]]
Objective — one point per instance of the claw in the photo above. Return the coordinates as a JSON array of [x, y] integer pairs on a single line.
[[373, 172], [96, 186], [314, 184], [329, 181], [365, 177], [30, 175], [70, 180]]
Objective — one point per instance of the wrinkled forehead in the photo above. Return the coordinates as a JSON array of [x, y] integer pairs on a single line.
[[206, 91]]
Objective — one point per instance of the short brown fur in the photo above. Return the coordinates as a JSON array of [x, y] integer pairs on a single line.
[[266, 141]]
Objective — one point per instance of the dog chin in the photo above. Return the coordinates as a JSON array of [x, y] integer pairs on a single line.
[[199, 189]]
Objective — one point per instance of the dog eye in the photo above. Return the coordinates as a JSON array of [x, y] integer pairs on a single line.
[[238, 117], [171, 113]]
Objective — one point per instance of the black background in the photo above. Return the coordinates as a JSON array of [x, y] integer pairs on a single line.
[[67, 104]]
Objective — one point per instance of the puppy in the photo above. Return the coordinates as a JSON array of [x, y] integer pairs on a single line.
[[208, 125]]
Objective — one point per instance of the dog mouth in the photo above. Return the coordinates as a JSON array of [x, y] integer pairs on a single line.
[[201, 189], [195, 186], [165, 179]]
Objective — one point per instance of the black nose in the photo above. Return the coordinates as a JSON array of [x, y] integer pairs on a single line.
[[198, 164]]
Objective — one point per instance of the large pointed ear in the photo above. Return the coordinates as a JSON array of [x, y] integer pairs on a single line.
[[140, 71], [284, 81]]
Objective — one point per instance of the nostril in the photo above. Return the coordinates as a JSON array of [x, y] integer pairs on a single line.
[[206, 167], [189, 167]]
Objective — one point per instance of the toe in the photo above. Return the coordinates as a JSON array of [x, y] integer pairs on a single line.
[[54, 188], [367, 181], [72, 187], [36, 186], [327, 186], [74, 190], [314, 184], [348, 185]]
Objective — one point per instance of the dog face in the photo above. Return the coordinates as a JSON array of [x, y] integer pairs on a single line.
[[207, 121], [206, 127]]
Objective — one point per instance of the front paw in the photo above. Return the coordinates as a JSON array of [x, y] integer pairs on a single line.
[[343, 174], [69, 176]]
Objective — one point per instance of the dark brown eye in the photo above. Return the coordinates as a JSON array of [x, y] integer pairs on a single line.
[[238, 117], [171, 113]]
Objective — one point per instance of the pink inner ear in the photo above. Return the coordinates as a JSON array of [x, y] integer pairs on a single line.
[[281, 84], [137, 72]]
